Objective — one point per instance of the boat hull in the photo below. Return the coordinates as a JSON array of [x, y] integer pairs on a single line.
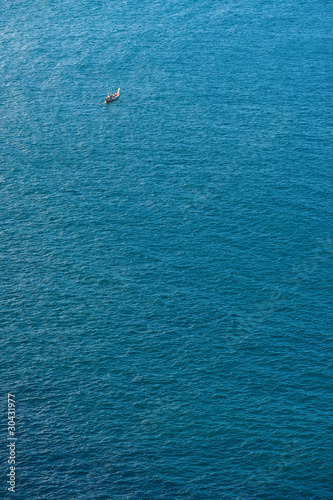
[[112, 97]]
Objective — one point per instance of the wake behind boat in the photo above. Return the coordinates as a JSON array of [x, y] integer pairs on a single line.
[[112, 97]]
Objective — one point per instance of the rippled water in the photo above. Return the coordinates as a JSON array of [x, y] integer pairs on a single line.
[[165, 260]]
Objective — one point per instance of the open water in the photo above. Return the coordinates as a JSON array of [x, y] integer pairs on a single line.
[[166, 260]]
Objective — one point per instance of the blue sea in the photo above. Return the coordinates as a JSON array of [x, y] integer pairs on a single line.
[[166, 260]]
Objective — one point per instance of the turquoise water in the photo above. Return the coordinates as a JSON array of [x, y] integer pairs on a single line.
[[166, 260]]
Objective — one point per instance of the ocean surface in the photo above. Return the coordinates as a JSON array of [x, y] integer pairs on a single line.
[[166, 260]]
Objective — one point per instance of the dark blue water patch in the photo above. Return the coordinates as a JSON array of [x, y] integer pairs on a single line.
[[166, 259]]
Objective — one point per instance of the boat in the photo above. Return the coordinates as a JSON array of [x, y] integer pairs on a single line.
[[112, 97]]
